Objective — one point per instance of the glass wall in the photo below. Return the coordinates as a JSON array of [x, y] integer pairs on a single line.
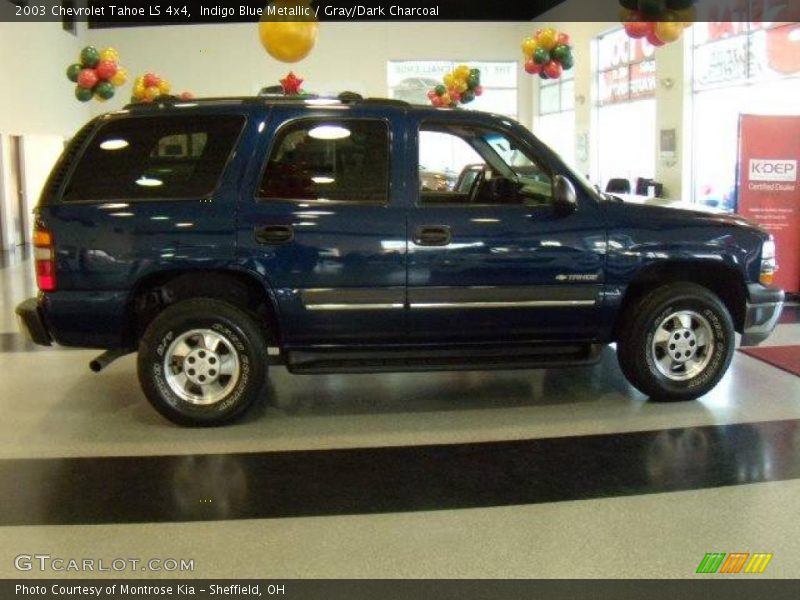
[[410, 80], [555, 125], [739, 68], [626, 109]]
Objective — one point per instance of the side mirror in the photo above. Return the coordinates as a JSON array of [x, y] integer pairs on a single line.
[[565, 198]]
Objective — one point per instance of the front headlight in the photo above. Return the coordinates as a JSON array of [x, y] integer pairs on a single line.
[[768, 263]]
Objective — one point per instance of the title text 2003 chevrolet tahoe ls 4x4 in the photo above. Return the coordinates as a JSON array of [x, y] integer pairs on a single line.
[[201, 233]]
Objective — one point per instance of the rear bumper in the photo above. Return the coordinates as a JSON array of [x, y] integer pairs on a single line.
[[763, 311], [32, 323]]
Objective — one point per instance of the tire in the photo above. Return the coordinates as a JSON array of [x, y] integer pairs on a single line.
[[676, 342], [202, 339]]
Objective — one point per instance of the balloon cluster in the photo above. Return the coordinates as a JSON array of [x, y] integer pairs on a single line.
[[97, 74], [150, 86], [660, 22], [548, 53], [461, 86]]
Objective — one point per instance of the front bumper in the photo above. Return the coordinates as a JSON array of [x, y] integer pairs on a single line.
[[32, 323], [763, 311]]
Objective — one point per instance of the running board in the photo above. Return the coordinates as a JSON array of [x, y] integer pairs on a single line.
[[452, 359]]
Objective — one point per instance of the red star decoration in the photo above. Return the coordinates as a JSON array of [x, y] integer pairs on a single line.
[[291, 84]]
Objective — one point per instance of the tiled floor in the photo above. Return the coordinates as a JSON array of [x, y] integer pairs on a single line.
[[55, 408]]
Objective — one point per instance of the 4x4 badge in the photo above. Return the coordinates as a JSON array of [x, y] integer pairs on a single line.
[[587, 277]]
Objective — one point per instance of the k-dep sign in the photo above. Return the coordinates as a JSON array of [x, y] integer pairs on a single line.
[[764, 169]]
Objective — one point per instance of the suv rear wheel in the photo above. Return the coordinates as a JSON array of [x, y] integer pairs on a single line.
[[676, 342], [202, 362]]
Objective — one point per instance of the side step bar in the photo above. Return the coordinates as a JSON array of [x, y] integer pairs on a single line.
[[458, 359]]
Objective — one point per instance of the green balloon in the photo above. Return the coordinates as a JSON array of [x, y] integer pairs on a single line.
[[90, 57], [467, 97], [104, 89], [652, 8], [568, 62], [561, 52], [83, 94], [440, 90], [72, 72], [473, 82], [541, 56]]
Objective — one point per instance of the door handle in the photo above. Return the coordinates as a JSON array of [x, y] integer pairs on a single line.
[[432, 235], [273, 234]]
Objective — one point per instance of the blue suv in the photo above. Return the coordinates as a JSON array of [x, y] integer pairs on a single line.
[[201, 233]]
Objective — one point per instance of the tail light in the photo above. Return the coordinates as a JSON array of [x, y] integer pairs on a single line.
[[44, 258]]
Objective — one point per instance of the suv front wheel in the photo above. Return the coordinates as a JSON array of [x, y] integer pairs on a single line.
[[202, 362], [676, 342]]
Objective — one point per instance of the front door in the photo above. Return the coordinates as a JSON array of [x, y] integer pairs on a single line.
[[323, 225], [490, 256]]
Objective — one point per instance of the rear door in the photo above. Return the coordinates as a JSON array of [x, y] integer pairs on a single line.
[[322, 221]]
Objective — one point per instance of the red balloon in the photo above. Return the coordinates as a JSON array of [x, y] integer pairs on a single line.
[[431, 94], [151, 80], [479, 90], [437, 101], [106, 69], [532, 68], [87, 78], [553, 69], [653, 38], [186, 96], [564, 39], [638, 29]]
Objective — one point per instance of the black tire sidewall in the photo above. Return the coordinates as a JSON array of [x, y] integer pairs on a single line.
[[232, 323]]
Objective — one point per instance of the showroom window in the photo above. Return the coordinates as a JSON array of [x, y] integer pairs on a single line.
[[626, 108], [142, 158], [556, 123], [342, 160], [739, 68], [456, 163], [410, 80]]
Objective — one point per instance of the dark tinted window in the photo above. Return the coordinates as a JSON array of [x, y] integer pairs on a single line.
[[155, 157], [331, 159]]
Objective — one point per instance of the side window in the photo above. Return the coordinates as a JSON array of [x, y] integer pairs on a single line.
[[472, 165], [342, 160], [143, 158]]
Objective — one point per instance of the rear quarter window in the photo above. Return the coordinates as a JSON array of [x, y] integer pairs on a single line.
[[141, 158]]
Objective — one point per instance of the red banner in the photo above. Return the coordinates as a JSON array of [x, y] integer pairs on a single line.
[[769, 153]]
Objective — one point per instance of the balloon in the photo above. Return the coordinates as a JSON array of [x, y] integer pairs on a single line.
[[568, 62], [83, 94], [653, 38], [461, 87], [637, 29], [455, 96], [120, 77], [532, 67], [105, 90], [138, 89], [109, 54], [553, 69], [291, 84], [462, 71], [529, 46], [186, 96], [151, 93], [479, 90], [151, 80], [437, 101], [87, 78], [440, 90], [431, 94], [467, 98], [89, 57], [541, 56], [73, 71], [163, 87], [547, 39], [652, 7], [445, 99], [288, 41], [668, 31], [473, 81], [106, 69], [564, 39], [449, 80], [560, 52]]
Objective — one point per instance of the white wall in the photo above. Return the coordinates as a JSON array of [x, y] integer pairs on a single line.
[[220, 60]]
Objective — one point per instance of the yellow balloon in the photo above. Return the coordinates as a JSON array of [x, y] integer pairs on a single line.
[[288, 41], [462, 72], [529, 46], [449, 80], [109, 54], [669, 31], [152, 92], [445, 99], [461, 86], [120, 77], [548, 38], [163, 87], [138, 90]]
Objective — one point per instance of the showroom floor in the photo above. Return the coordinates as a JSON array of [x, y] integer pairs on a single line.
[[563, 473]]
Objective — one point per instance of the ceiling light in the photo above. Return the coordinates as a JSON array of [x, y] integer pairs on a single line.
[[149, 181], [321, 179], [329, 132], [114, 145]]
